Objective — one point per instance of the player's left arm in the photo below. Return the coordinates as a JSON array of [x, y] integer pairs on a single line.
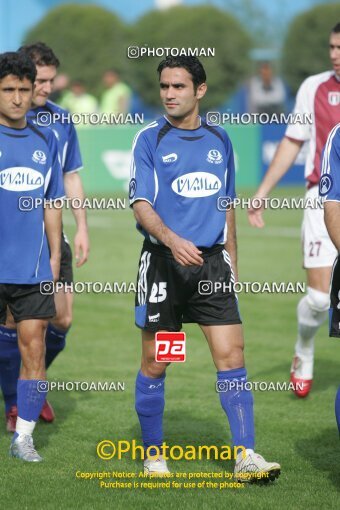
[[74, 190], [54, 195], [332, 220], [231, 241], [53, 228]]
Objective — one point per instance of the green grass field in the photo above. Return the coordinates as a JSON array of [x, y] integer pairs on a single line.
[[104, 345]]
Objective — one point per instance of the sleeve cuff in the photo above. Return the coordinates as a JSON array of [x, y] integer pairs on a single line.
[[142, 199]]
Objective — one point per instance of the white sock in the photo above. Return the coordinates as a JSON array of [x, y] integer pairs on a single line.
[[312, 311], [24, 427]]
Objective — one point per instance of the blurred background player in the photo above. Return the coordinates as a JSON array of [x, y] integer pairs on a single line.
[[78, 100], [329, 190], [318, 95], [30, 238], [117, 96], [167, 156], [46, 64], [266, 92]]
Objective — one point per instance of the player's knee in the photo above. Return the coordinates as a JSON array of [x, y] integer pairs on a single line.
[[63, 322], [232, 357], [312, 312], [151, 368], [317, 300], [32, 342]]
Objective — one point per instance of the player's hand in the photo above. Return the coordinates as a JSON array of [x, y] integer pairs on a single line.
[[55, 267], [185, 252], [255, 213], [81, 247]]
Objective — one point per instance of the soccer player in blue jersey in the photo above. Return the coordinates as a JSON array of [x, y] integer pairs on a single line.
[[329, 189], [180, 167], [46, 64], [30, 173]]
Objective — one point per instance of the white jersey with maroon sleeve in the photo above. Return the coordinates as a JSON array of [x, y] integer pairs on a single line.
[[318, 95]]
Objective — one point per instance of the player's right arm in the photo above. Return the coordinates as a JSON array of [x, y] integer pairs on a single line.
[[184, 252], [331, 169], [142, 198], [285, 154]]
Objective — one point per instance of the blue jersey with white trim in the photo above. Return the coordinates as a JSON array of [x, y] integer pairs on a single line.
[[329, 186], [64, 131], [30, 173], [182, 173]]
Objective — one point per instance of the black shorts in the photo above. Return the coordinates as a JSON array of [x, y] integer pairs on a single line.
[[25, 302], [334, 316], [66, 271], [169, 294]]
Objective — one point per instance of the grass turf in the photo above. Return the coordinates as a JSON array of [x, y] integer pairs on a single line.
[[104, 345]]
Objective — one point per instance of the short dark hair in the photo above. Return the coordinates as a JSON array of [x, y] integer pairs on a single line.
[[41, 54], [336, 29], [191, 64], [17, 64]]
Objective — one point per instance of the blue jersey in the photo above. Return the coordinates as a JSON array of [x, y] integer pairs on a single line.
[[64, 131], [182, 173], [30, 173], [329, 186]]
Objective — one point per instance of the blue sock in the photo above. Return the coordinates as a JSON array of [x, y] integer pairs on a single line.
[[238, 406], [10, 362], [337, 408], [150, 407], [55, 343], [30, 400]]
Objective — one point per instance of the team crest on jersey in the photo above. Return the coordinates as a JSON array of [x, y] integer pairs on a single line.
[[170, 158], [196, 184], [325, 185], [20, 179], [334, 98], [39, 157], [132, 188], [214, 156]]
